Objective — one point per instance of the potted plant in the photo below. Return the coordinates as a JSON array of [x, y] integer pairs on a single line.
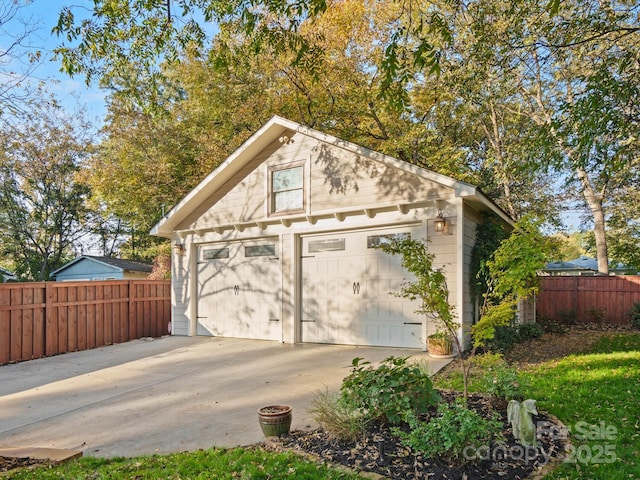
[[275, 420], [440, 345]]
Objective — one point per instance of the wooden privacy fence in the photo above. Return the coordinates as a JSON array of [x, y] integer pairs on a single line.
[[48, 318], [588, 299]]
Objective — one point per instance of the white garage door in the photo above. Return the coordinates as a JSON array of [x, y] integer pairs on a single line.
[[239, 287], [345, 291]]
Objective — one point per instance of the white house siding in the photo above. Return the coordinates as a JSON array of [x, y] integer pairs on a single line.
[[181, 294], [338, 181], [444, 247], [471, 220]]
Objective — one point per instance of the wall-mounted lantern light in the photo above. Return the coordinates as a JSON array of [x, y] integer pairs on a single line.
[[179, 246], [440, 222]]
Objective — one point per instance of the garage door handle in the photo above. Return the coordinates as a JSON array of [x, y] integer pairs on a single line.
[[274, 319], [274, 258], [307, 321], [412, 323]]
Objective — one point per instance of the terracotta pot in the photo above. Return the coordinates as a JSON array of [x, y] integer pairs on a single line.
[[275, 420], [440, 346]]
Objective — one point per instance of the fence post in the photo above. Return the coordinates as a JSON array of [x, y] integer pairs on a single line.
[[575, 296], [51, 325], [133, 324]]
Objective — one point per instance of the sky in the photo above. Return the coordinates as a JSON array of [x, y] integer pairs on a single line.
[[71, 92]]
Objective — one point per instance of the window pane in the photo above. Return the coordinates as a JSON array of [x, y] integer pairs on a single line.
[[374, 241], [291, 200], [330, 245], [288, 179], [260, 251], [213, 253]]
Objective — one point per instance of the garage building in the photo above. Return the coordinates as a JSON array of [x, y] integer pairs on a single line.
[[279, 242]]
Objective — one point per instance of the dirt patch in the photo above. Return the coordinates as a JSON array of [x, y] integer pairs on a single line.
[[553, 346]]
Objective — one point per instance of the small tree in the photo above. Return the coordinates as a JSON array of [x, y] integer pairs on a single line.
[[513, 276], [429, 287]]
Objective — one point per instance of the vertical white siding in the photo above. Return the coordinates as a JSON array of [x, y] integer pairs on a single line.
[[443, 245], [180, 293], [471, 220]]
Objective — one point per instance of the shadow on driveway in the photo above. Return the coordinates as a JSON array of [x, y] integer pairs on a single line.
[[169, 394]]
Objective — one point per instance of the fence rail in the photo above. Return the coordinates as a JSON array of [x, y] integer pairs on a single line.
[[588, 299], [48, 318]]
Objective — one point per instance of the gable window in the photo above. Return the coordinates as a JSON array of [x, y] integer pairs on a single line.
[[287, 189]]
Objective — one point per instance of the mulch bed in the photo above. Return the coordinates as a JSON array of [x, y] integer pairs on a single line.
[[382, 453]]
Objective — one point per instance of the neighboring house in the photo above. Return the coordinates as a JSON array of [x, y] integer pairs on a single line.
[[279, 241], [7, 276], [582, 265], [88, 267]]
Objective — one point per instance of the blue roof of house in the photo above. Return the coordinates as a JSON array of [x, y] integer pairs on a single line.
[[7, 274], [583, 262], [124, 265]]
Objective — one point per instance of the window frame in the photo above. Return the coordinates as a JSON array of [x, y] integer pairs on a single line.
[[271, 196]]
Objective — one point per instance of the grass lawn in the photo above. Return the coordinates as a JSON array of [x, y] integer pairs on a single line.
[[236, 463], [596, 395]]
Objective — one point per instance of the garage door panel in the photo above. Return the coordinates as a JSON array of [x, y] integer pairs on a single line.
[[352, 286], [238, 290]]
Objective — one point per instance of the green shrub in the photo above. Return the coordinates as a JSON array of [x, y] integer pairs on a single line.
[[634, 313], [454, 434], [336, 418], [550, 326], [388, 392], [529, 331], [503, 381], [504, 339], [487, 360], [507, 337]]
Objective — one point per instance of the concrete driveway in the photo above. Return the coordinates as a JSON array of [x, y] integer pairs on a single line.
[[169, 394]]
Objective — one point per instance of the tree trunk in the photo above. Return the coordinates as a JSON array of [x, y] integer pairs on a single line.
[[594, 202], [593, 199]]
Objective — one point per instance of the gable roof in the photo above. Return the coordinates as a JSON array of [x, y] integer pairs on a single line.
[[275, 128], [123, 265]]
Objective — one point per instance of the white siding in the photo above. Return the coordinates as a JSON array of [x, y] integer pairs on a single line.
[[336, 179], [471, 220], [180, 292], [444, 247]]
